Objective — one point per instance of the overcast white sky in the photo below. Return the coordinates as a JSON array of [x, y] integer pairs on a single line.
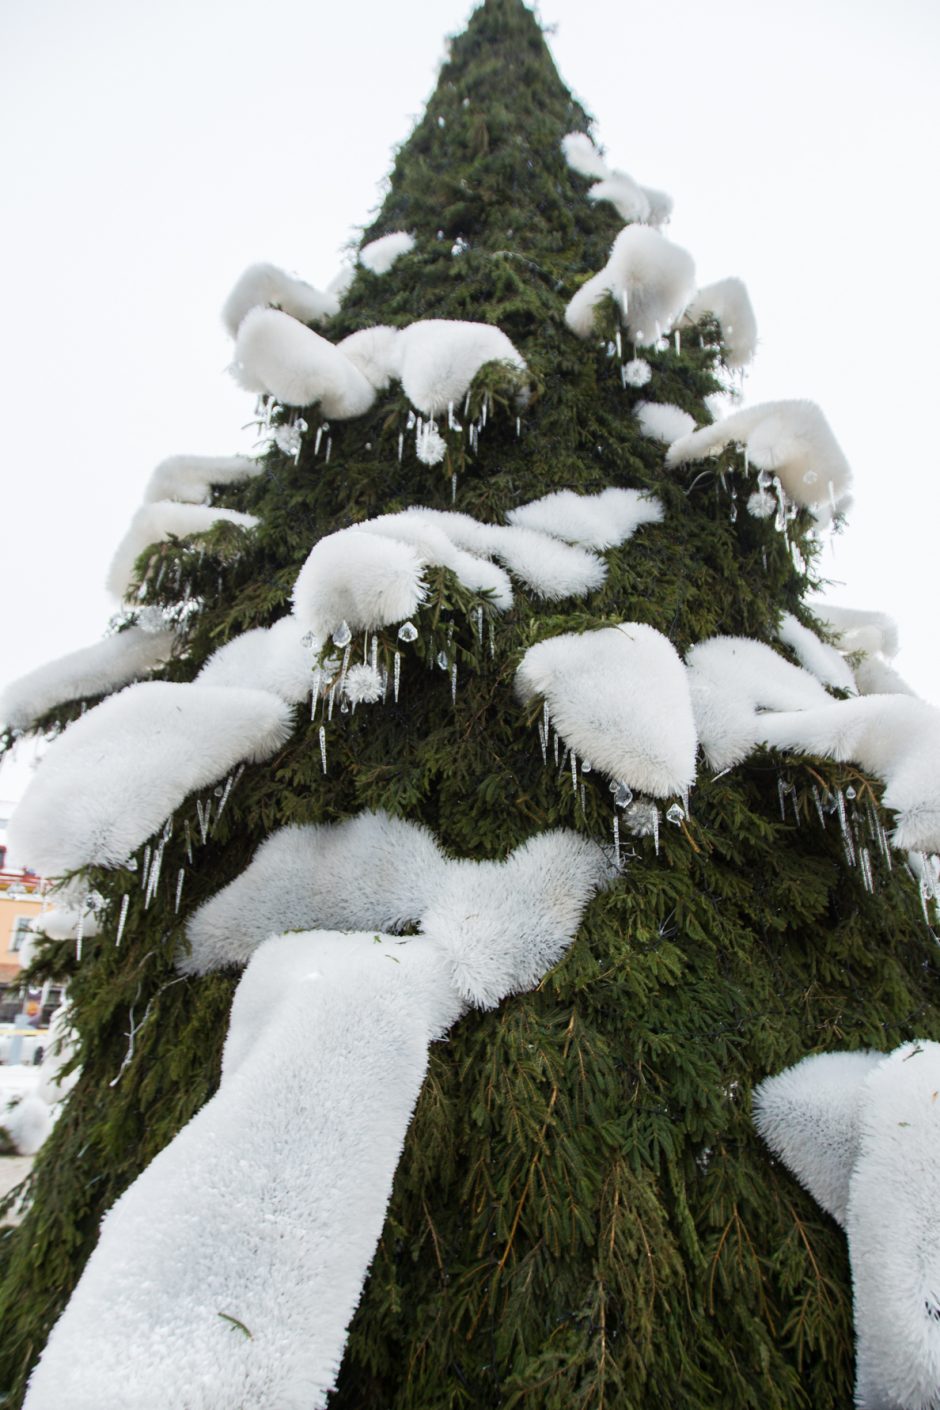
[[153, 152]]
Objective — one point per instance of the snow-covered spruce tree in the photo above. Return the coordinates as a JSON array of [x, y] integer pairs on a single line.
[[583, 1213]]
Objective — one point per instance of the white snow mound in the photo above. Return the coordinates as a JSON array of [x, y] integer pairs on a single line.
[[191, 477], [276, 354], [662, 421], [266, 286], [93, 670], [791, 439], [379, 255], [651, 279], [267, 658], [439, 358], [619, 697], [818, 657], [115, 775], [727, 301], [374, 351], [603, 520], [361, 578], [157, 522]]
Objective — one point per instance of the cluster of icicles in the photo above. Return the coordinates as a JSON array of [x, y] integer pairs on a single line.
[[620, 701]]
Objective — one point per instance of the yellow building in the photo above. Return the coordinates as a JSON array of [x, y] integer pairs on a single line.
[[21, 898]]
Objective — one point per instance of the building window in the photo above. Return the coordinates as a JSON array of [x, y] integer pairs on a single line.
[[22, 927]]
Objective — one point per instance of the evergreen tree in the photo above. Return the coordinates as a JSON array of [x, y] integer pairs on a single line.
[[583, 1214]]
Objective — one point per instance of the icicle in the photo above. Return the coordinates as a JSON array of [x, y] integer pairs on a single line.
[[583, 798], [557, 748], [618, 344], [189, 843], [678, 342], [315, 692], [865, 861], [656, 828], [453, 488], [329, 450], [122, 918], [344, 667], [331, 698], [155, 873], [844, 825], [145, 869], [543, 742], [795, 805], [782, 799], [317, 440], [180, 877], [397, 675], [518, 427], [401, 446], [80, 932], [492, 639], [818, 801], [478, 624], [574, 772], [224, 798], [453, 683], [564, 762], [323, 747], [374, 654], [617, 838]]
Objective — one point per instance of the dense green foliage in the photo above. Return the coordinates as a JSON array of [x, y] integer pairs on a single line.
[[584, 1216]]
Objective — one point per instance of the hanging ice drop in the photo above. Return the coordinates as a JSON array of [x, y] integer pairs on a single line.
[[623, 795], [308, 640], [675, 814], [442, 660], [850, 792], [407, 632]]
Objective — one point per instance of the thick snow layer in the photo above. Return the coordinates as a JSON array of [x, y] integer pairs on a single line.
[[626, 196], [549, 569], [435, 547], [662, 421], [503, 925], [439, 358], [373, 872], [732, 679], [727, 301], [379, 255], [894, 737], [364, 579], [268, 658], [266, 286], [792, 439], [157, 522], [875, 676], [660, 204], [117, 774], [65, 919], [582, 156], [860, 630], [27, 1122], [191, 477], [374, 351], [862, 1133], [341, 283], [228, 1272], [619, 697], [818, 657], [651, 279], [603, 520], [94, 670], [276, 354], [808, 1115]]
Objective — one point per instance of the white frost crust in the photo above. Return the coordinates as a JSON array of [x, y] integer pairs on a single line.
[[266, 286], [862, 1132], [603, 520], [93, 670], [268, 1206], [662, 421], [365, 579], [379, 255], [502, 925], [374, 351], [157, 522], [372, 872], [190, 477], [276, 354], [894, 737], [727, 301], [651, 279], [818, 657], [267, 658], [619, 697], [439, 358], [731, 680], [808, 1115], [791, 439], [115, 775]]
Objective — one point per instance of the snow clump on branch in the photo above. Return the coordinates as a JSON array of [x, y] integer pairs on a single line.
[[728, 302], [861, 1132], [603, 520], [662, 421], [115, 775], [155, 523], [791, 439], [438, 359], [266, 658], [277, 355], [819, 658], [650, 279], [93, 670], [629, 199], [379, 255], [356, 577], [191, 477], [732, 679], [619, 697], [266, 286]]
